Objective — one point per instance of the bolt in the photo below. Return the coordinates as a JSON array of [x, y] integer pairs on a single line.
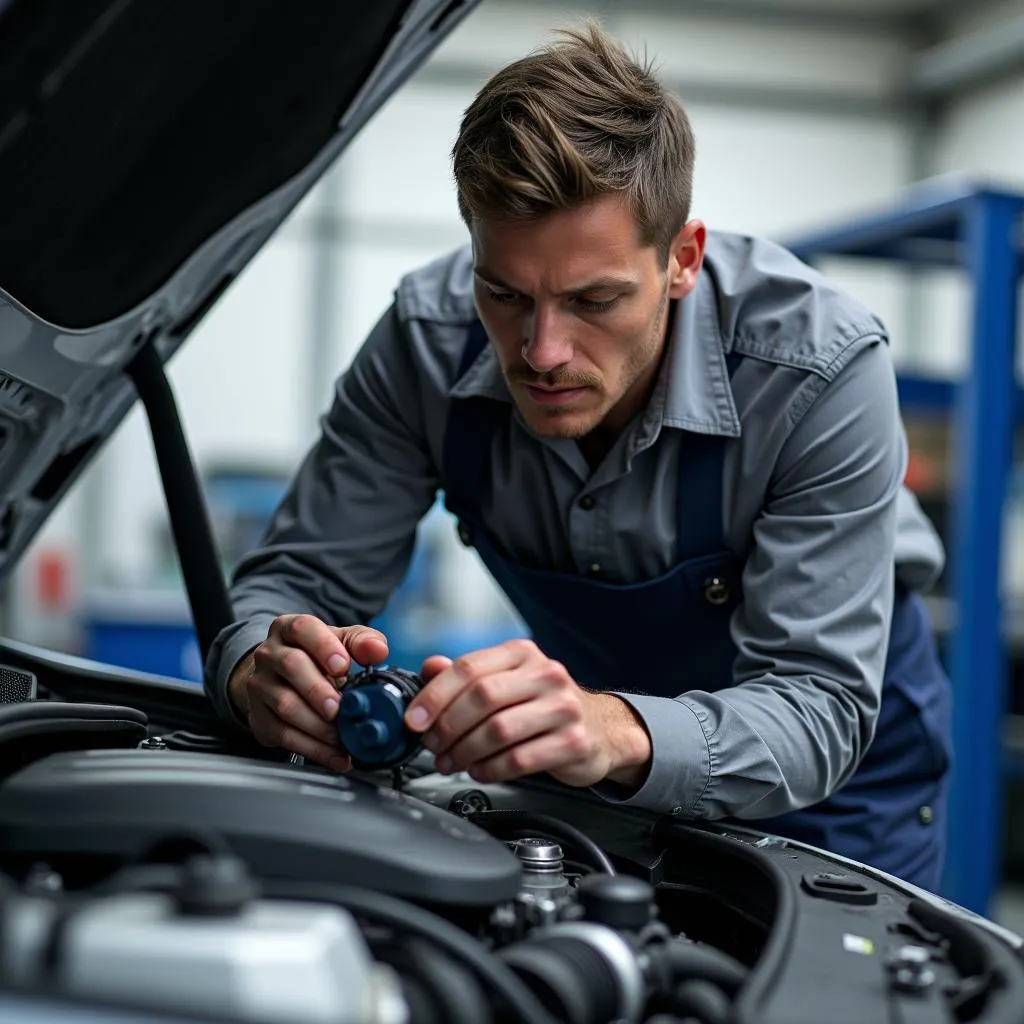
[[372, 733], [354, 704], [910, 969]]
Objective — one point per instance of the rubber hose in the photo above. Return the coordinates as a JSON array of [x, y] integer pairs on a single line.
[[702, 1001], [554, 828], [685, 961], [398, 914], [450, 990]]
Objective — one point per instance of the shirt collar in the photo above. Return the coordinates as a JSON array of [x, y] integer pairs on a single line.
[[692, 391], [483, 379], [698, 393]]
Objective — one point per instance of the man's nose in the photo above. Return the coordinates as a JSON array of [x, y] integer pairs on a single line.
[[546, 345]]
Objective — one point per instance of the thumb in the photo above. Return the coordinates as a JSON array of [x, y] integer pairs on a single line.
[[434, 666], [365, 645]]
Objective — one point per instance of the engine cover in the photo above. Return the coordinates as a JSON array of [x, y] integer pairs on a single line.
[[285, 822]]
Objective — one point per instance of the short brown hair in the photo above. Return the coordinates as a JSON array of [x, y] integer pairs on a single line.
[[570, 121]]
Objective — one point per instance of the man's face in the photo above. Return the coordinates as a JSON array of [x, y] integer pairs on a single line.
[[577, 308]]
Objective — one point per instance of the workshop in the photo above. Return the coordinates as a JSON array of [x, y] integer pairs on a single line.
[[512, 511]]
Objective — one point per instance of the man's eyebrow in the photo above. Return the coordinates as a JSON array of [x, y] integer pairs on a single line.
[[607, 282], [485, 275]]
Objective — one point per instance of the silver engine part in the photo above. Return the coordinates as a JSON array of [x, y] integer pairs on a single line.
[[272, 961], [544, 889]]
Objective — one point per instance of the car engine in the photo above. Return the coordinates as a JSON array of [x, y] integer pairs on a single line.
[[160, 875]]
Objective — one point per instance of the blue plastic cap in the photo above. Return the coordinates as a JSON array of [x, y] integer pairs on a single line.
[[373, 733], [354, 704], [371, 725]]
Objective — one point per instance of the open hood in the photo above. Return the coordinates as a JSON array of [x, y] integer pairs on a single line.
[[148, 149]]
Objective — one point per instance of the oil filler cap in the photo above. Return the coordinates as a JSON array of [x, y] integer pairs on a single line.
[[371, 715]]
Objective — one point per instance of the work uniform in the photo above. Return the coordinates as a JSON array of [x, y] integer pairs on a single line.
[[744, 567]]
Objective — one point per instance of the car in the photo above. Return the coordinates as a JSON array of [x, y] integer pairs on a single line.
[[157, 866]]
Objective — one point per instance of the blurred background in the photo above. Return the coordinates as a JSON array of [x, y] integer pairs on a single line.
[[826, 124]]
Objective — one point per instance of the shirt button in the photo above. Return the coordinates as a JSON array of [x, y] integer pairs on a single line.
[[595, 569], [587, 502]]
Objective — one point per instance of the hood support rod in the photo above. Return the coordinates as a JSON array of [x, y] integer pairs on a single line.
[[186, 507]]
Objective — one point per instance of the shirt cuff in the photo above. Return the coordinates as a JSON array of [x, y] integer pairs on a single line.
[[680, 767], [229, 648]]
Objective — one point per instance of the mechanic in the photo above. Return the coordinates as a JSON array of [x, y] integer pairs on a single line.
[[679, 453]]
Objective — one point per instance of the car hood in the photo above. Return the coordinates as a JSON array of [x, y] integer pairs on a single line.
[[148, 149]]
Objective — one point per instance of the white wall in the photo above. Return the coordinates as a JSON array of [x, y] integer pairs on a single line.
[[242, 380]]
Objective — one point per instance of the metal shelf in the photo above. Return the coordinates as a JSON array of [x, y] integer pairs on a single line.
[[975, 228]]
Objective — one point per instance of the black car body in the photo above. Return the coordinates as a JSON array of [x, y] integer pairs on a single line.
[[156, 867]]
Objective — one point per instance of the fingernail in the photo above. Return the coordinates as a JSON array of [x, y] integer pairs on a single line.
[[444, 764], [339, 764], [335, 664], [330, 708], [418, 717]]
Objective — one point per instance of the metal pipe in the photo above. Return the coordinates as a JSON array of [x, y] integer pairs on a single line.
[[966, 61]]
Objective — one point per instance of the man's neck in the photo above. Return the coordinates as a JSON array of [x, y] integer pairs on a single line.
[[596, 445]]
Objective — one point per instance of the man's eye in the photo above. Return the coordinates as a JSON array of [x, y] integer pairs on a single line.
[[506, 297], [593, 306]]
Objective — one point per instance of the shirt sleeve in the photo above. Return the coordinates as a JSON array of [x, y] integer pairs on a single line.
[[812, 631], [342, 539]]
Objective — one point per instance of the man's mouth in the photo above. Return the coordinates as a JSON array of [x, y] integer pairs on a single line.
[[544, 395]]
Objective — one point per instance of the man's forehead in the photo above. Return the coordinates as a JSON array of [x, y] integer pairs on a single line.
[[559, 254]]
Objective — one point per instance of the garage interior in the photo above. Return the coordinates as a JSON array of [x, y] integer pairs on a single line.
[[859, 132]]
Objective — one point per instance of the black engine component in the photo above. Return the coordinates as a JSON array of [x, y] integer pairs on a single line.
[[617, 901], [284, 822], [371, 717]]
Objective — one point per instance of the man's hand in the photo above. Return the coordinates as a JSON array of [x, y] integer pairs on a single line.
[[509, 711], [285, 690]]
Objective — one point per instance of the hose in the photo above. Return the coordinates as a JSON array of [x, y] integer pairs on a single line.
[[438, 989], [686, 961], [526, 1008], [543, 823]]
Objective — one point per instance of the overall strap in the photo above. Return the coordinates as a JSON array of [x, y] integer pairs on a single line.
[[468, 433], [699, 501]]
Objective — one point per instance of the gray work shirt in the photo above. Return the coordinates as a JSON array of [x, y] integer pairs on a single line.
[[812, 500]]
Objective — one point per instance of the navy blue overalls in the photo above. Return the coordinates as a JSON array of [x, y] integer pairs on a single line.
[[891, 813]]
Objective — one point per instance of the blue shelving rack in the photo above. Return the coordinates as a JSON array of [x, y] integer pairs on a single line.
[[978, 229]]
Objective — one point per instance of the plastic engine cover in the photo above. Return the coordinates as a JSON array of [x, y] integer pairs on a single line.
[[285, 822]]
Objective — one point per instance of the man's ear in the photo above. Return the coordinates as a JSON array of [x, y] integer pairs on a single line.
[[685, 258]]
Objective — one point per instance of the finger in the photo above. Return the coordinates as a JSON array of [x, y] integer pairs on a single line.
[[367, 646], [450, 682], [290, 708], [477, 702], [320, 641], [434, 665], [510, 727], [320, 753], [546, 753], [297, 669]]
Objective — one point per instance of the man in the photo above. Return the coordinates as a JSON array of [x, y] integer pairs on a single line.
[[677, 451]]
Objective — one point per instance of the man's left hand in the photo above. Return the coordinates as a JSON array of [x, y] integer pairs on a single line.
[[509, 711]]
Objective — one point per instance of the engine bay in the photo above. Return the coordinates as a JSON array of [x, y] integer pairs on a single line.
[[164, 873]]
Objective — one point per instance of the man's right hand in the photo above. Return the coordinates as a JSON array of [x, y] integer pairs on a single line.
[[285, 690]]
